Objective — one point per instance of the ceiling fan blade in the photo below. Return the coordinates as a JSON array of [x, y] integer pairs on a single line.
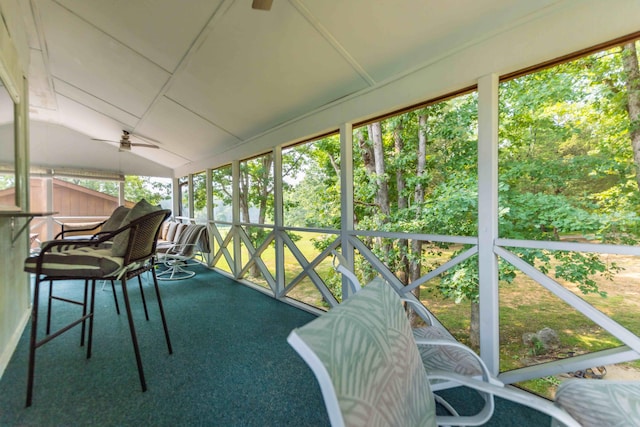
[[262, 4], [105, 140], [147, 139], [125, 143], [136, 144]]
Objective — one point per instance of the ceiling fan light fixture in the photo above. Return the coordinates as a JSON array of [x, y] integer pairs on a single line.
[[125, 143], [262, 4]]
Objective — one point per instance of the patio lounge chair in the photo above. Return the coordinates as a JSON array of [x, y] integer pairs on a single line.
[[439, 351], [175, 256], [370, 371], [120, 255]]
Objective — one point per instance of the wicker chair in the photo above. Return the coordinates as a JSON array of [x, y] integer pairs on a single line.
[[93, 231], [119, 255]]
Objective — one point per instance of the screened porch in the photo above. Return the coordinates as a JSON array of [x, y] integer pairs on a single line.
[[483, 163]]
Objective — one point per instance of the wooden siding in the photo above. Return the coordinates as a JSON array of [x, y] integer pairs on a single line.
[[69, 200]]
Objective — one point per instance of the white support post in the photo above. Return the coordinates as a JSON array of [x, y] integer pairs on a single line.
[[209, 215], [278, 214], [488, 220], [49, 194], [175, 187], [121, 199], [209, 187], [192, 212], [346, 198], [237, 248]]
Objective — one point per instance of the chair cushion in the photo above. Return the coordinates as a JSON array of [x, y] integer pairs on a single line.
[[114, 221], [190, 240], [366, 347], [601, 402], [179, 230], [171, 231], [78, 262], [121, 240], [445, 358], [73, 244], [164, 230]]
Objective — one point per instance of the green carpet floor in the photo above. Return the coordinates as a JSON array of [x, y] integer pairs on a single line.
[[231, 365]]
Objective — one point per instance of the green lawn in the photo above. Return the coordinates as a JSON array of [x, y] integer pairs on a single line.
[[525, 306]]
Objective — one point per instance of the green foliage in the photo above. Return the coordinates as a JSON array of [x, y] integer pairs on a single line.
[[199, 191], [154, 190], [537, 347], [566, 171], [7, 181], [143, 187], [312, 198], [107, 187]]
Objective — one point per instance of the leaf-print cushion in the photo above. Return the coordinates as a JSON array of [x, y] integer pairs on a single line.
[[601, 402], [445, 358], [364, 356]]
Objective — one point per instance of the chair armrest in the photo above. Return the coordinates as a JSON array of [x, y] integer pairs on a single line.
[[421, 311], [486, 375], [80, 227], [97, 238]]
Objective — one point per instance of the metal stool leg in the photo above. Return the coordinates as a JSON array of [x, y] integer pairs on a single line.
[[144, 301], [134, 338], [32, 341], [48, 330], [115, 297], [164, 320], [84, 313], [91, 316]]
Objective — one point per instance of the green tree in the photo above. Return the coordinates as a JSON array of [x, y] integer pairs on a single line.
[[6, 181], [154, 190], [566, 168]]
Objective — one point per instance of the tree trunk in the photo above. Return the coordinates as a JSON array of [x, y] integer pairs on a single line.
[[632, 71], [367, 153], [382, 190], [264, 184], [265, 187], [244, 205], [398, 144], [415, 270], [244, 197], [382, 193], [403, 244], [418, 197]]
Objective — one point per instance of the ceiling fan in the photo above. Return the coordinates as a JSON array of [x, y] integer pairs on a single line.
[[262, 4], [125, 142]]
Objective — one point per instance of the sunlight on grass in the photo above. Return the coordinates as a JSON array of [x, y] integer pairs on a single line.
[[304, 291], [525, 307], [594, 342]]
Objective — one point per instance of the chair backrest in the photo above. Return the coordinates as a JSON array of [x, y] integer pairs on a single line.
[[143, 236], [365, 359], [190, 240]]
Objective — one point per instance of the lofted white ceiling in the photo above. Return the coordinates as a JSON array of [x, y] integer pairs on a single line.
[[202, 77]]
